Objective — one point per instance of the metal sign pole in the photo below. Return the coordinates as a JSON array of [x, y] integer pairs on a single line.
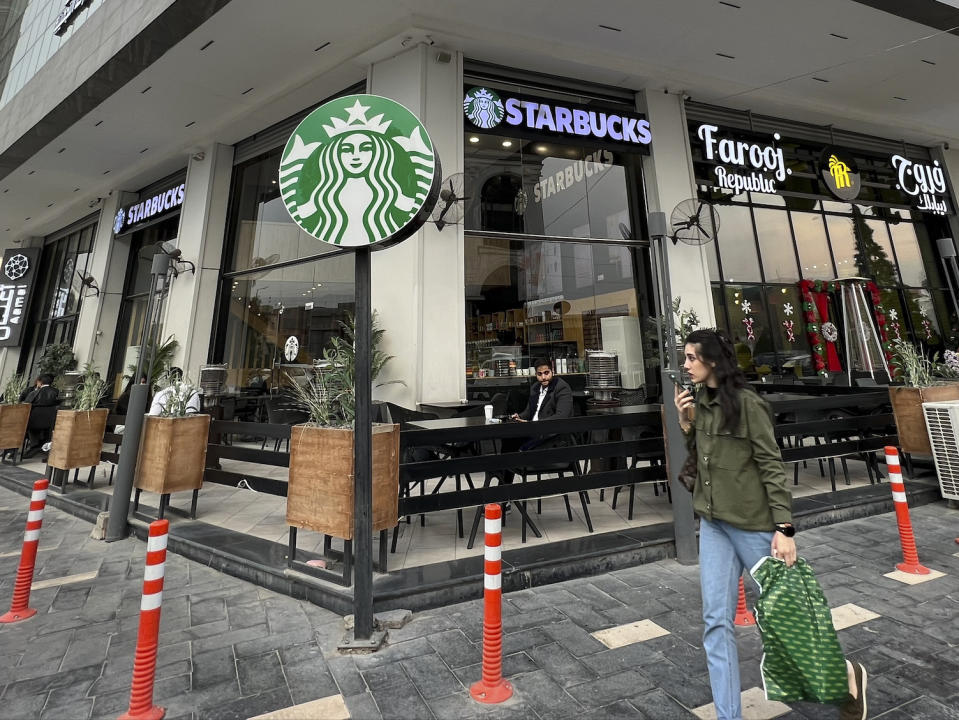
[[684, 522], [137, 407], [362, 458]]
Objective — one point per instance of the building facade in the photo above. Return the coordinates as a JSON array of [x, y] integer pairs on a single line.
[[143, 124]]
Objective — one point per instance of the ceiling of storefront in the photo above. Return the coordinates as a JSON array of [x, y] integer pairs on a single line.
[[823, 61]]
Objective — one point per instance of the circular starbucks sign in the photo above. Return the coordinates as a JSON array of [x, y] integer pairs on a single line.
[[483, 107], [360, 170]]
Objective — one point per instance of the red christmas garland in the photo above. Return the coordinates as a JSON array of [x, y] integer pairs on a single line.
[[814, 329]]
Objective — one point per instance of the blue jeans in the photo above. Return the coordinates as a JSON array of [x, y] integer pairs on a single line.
[[723, 553]]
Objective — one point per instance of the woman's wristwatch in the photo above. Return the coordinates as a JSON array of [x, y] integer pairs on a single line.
[[786, 529]]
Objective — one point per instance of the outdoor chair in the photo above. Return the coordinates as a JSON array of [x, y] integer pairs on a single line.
[[281, 411]]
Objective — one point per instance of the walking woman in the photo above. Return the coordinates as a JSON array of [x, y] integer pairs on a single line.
[[744, 507]]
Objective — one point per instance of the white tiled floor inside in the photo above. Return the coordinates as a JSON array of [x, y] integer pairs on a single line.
[[264, 515]]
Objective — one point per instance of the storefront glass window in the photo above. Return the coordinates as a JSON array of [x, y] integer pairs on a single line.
[[813, 246], [842, 237], [545, 188], [775, 246], [749, 327], [910, 259], [306, 302], [263, 231], [737, 244], [529, 299]]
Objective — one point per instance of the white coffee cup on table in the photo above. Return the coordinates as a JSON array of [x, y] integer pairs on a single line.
[[488, 409]]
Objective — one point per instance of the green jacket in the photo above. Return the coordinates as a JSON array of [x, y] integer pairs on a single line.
[[740, 478]]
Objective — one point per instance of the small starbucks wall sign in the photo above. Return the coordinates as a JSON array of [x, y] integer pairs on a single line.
[[360, 170]]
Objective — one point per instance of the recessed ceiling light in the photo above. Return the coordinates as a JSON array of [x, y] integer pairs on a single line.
[[507, 143], [31, 172], [144, 150], [248, 90], [74, 190], [474, 139], [542, 148], [929, 62], [50, 205], [105, 172], [208, 43], [193, 122], [724, 55], [610, 27], [896, 97], [60, 150], [98, 123], [729, 4], [841, 37], [819, 79], [145, 90], [25, 219], [322, 46]]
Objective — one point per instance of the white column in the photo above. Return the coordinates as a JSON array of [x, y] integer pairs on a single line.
[[100, 314], [669, 180], [418, 285], [190, 307]]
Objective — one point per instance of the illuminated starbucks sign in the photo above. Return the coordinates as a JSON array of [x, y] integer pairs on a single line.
[[487, 109], [360, 170]]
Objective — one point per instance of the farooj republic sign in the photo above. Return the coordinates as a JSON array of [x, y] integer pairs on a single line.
[[360, 170]]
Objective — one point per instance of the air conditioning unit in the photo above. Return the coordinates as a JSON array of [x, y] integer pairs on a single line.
[[942, 422]]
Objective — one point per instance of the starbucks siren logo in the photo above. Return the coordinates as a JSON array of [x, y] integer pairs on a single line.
[[359, 170], [483, 108], [119, 220]]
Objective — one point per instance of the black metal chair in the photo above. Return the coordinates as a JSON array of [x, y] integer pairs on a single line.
[[281, 410]]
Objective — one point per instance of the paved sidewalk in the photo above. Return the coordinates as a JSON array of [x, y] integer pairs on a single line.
[[620, 645]]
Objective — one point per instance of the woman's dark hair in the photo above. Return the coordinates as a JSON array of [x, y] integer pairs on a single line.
[[715, 348]]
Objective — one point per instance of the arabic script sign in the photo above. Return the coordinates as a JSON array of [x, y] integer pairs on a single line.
[[17, 276]]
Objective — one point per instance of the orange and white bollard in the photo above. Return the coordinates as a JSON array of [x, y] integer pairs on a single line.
[[145, 661], [743, 615], [20, 605], [493, 688], [910, 558]]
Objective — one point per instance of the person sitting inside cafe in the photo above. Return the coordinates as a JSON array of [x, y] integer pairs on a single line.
[[44, 398], [160, 400], [550, 398]]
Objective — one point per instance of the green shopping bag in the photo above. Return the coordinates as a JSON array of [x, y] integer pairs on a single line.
[[802, 659]]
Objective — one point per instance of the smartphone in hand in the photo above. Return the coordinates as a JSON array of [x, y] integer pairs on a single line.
[[682, 382]]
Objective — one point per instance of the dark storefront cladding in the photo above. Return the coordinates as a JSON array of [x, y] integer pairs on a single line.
[[552, 268], [142, 226], [789, 227], [279, 282], [59, 296]]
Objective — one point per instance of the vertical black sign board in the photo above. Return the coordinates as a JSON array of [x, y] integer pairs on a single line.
[[18, 275]]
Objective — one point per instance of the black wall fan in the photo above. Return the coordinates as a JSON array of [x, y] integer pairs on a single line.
[[449, 209], [694, 222]]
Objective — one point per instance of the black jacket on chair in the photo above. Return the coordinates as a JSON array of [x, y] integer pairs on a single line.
[[558, 402]]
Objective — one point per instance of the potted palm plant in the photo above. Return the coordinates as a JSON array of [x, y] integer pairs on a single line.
[[922, 382], [78, 432], [14, 415], [173, 446], [320, 488]]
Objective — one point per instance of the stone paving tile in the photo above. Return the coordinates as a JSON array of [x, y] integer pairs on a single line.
[[231, 650]]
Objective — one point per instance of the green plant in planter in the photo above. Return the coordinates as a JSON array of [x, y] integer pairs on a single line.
[[13, 388], [56, 360], [162, 361], [330, 397], [177, 393], [90, 390], [914, 367]]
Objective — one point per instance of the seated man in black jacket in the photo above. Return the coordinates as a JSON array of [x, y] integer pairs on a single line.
[[550, 397], [45, 398]]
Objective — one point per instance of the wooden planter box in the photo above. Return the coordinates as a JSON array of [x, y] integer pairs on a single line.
[[172, 453], [77, 438], [13, 425], [320, 491], [910, 422]]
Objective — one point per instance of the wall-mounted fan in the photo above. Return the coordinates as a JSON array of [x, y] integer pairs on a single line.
[[449, 208], [694, 221]]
